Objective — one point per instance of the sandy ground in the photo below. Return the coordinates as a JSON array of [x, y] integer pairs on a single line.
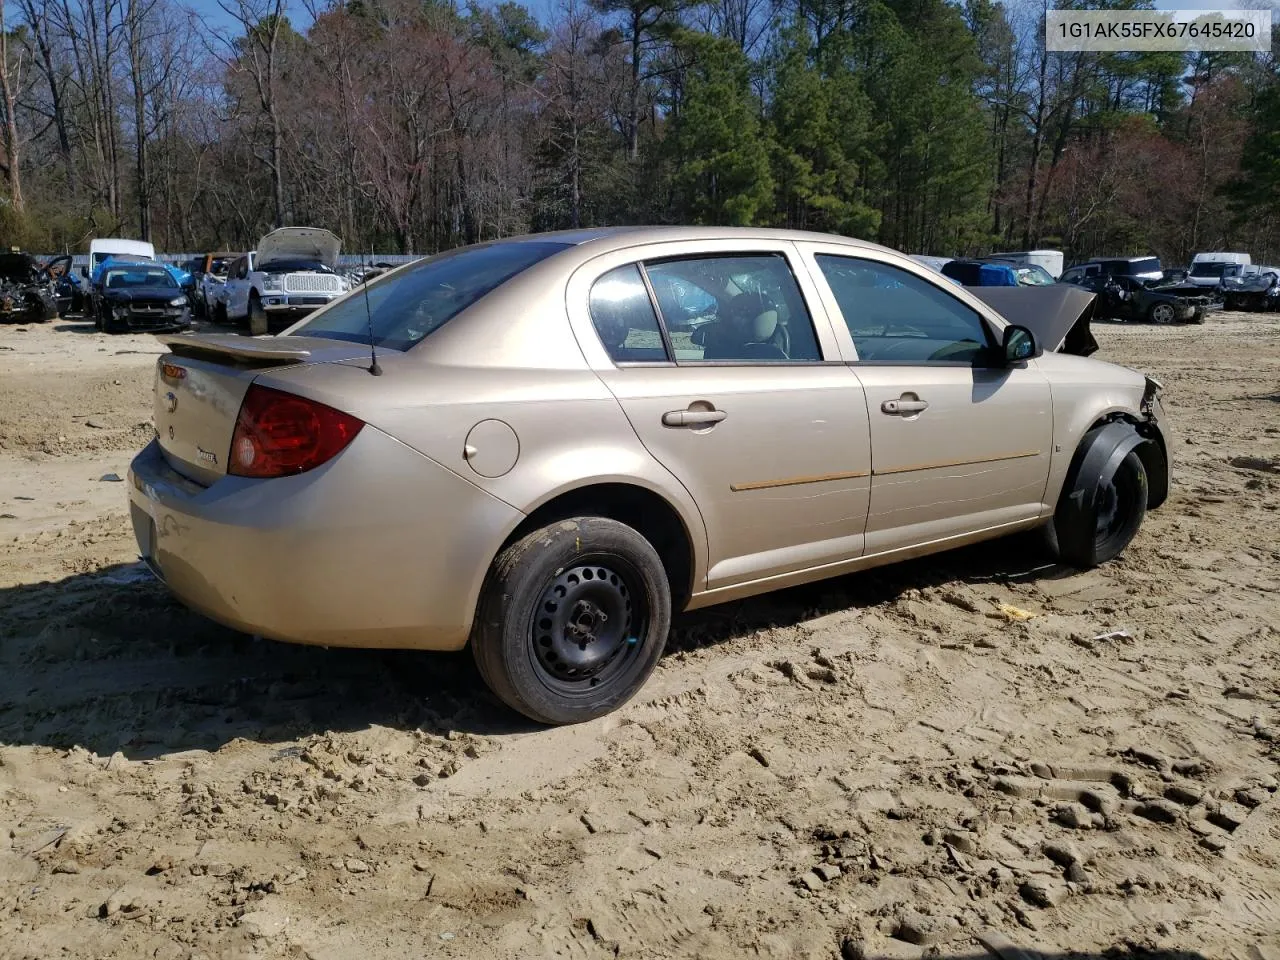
[[886, 765]]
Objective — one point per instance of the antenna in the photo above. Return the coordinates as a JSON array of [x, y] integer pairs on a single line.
[[368, 314]]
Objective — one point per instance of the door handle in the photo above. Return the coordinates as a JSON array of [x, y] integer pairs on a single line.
[[692, 418], [904, 408]]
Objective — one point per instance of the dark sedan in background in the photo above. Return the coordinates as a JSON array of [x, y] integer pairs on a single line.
[[140, 296], [1129, 299]]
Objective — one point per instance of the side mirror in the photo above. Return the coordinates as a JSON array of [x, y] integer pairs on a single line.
[[1019, 344], [84, 272]]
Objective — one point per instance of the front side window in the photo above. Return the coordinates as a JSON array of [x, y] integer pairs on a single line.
[[745, 308], [896, 317], [404, 307], [623, 317]]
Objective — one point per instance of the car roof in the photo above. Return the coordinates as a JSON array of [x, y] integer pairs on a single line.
[[606, 239], [1149, 256]]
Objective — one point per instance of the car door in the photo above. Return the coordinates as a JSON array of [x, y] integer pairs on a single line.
[[957, 445], [728, 370]]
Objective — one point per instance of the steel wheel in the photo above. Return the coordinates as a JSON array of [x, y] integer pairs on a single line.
[[572, 619], [587, 625]]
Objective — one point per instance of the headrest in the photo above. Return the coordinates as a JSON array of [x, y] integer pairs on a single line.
[[763, 325]]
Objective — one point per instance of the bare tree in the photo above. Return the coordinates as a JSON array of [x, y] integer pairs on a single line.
[[257, 55], [12, 165], [36, 16]]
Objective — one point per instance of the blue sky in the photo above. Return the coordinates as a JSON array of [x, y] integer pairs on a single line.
[[209, 10]]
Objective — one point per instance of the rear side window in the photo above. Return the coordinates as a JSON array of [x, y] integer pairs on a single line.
[[623, 317], [412, 303], [746, 308], [896, 317]]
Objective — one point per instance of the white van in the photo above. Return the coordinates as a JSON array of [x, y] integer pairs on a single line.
[[105, 247], [1051, 260], [1209, 269]]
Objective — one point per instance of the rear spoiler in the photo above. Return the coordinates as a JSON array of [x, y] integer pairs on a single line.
[[242, 351], [1059, 315]]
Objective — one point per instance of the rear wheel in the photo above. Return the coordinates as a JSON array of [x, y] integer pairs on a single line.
[[258, 324], [572, 620], [1161, 313]]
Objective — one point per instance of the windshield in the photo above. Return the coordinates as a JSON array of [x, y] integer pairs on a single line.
[[135, 277], [1033, 275], [409, 304], [1207, 268]]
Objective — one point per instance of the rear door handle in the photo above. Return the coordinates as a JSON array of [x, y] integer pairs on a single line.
[[692, 418], [904, 408]]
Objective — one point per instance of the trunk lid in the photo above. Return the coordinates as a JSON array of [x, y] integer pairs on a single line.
[[200, 385]]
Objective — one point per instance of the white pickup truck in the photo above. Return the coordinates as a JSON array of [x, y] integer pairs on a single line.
[[289, 275]]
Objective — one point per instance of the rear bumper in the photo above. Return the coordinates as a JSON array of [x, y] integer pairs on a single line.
[[381, 547]]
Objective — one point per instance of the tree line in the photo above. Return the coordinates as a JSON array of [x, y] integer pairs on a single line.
[[411, 126]]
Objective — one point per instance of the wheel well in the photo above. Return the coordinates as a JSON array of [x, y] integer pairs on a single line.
[[1154, 456], [644, 511]]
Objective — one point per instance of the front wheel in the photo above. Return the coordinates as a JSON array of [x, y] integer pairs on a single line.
[[572, 620], [1162, 313], [258, 324], [1119, 507]]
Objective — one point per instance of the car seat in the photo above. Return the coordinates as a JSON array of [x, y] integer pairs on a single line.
[[746, 329]]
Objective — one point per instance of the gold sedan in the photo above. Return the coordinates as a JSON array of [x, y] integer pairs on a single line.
[[544, 446]]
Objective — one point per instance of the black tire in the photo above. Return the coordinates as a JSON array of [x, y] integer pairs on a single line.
[[46, 309], [258, 323], [220, 314], [1121, 508], [538, 653]]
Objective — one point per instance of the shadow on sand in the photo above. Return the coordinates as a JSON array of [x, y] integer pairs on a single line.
[[109, 661]]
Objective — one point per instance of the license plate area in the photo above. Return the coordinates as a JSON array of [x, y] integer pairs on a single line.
[[144, 531]]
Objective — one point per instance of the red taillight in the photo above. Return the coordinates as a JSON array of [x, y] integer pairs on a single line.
[[278, 434]]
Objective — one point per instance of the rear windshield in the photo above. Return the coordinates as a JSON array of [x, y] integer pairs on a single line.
[[1149, 265], [407, 305]]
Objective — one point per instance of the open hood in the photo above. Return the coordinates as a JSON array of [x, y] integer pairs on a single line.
[[301, 243], [1058, 315], [18, 267]]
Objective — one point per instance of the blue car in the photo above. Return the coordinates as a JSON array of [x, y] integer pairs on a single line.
[[182, 277], [975, 273]]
